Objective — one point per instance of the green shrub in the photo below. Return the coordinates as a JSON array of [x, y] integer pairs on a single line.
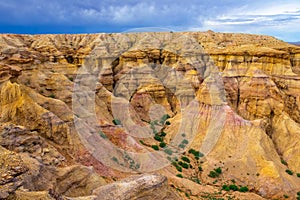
[[116, 122], [185, 141], [168, 151], [290, 172], [52, 96], [244, 189], [186, 159], [298, 175], [142, 142], [285, 196], [225, 187], [168, 123], [213, 174], [179, 175], [155, 147], [183, 135], [197, 154], [233, 187], [298, 193], [115, 159], [179, 168], [102, 135], [162, 144], [164, 119], [200, 169], [185, 165], [196, 180], [163, 134], [218, 170], [158, 138], [283, 162]]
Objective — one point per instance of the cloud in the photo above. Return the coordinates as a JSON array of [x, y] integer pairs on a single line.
[[272, 17]]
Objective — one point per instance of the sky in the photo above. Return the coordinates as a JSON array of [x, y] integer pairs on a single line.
[[279, 18]]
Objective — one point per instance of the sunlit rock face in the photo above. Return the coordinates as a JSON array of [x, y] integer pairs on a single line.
[[82, 115]]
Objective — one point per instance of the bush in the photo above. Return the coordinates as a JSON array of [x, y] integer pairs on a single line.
[[290, 172], [179, 168], [213, 174], [298, 175], [185, 141], [197, 154], [196, 180], [185, 165], [200, 169], [142, 142], [162, 144], [164, 118], [225, 187], [116, 122], [168, 123], [218, 170], [102, 135], [186, 159], [163, 134], [52, 96], [179, 175], [285, 196], [283, 162], [168, 151], [233, 187], [155, 147], [158, 138], [244, 189], [298, 193]]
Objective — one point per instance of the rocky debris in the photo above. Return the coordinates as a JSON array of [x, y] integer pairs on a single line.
[[12, 169], [21, 140], [146, 186]]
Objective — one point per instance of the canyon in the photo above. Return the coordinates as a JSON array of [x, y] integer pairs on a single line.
[[191, 115]]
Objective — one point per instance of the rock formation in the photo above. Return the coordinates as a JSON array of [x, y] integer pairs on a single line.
[[82, 115]]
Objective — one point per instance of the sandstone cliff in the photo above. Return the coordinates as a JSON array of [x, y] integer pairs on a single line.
[[80, 112]]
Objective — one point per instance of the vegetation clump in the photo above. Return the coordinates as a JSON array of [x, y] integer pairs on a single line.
[[290, 172], [179, 175], [162, 144], [197, 154], [155, 147], [186, 159], [117, 122], [215, 173]]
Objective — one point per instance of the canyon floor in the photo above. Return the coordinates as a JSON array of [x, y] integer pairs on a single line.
[[191, 115]]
